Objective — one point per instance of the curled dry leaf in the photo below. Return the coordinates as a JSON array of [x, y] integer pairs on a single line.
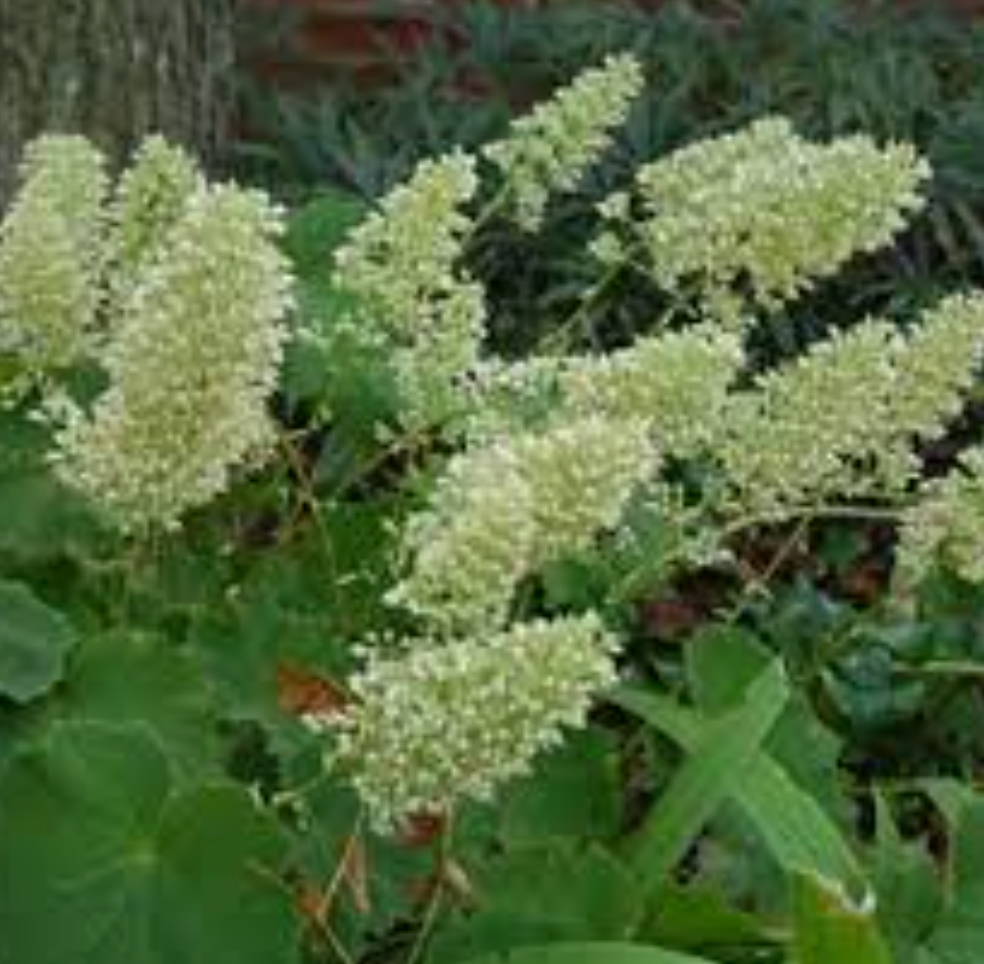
[[304, 693]]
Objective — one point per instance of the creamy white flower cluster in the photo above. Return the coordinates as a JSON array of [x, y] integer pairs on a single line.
[[936, 368], [765, 213], [149, 200], [474, 544], [176, 290], [413, 302], [946, 525], [192, 362], [451, 721], [503, 511], [796, 437], [51, 244], [510, 397], [841, 421], [548, 151], [678, 383]]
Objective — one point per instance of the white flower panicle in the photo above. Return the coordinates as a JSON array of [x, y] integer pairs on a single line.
[[452, 721], [677, 383], [842, 420], [149, 200], [510, 397], [549, 151], [937, 368], [505, 510], [191, 366], [946, 526], [430, 372], [70, 172], [767, 213], [795, 439], [47, 298], [51, 255], [582, 475], [474, 545], [414, 302]]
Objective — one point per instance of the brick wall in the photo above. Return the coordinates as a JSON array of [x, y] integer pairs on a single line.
[[329, 34], [322, 35]]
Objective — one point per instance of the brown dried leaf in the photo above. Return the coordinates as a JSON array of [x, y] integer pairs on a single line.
[[302, 693]]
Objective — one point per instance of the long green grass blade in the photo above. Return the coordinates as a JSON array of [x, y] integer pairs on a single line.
[[718, 762], [793, 825]]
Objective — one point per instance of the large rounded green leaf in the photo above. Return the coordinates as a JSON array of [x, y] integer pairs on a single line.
[[590, 953], [33, 642], [129, 677], [100, 863]]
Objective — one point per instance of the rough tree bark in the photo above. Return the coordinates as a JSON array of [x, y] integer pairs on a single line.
[[114, 70]]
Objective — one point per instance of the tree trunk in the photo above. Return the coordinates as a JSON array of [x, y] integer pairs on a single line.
[[114, 70]]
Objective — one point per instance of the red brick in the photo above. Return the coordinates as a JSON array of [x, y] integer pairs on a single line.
[[348, 34]]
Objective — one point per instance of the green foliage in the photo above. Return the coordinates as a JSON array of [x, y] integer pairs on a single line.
[[829, 927], [790, 820], [93, 838], [142, 680], [585, 953], [43, 519], [720, 757], [541, 894], [33, 642]]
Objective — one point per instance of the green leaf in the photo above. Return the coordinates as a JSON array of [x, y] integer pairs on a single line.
[[34, 640], [693, 918], [126, 678], [16, 726], [907, 883], [299, 605], [829, 927], [314, 232], [793, 826], [100, 863], [721, 661], [42, 519], [317, 228], [590, 953], [719, 761], [535, 894], [959, 936], [574, 794], [792, 799]]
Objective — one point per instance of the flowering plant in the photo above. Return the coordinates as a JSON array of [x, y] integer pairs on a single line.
[[512, 513]]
